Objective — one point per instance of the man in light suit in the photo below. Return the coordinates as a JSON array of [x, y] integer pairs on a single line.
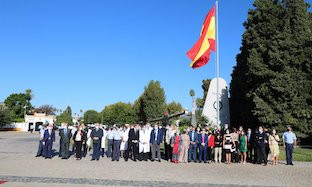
[[117, 140], [65, 135], [155, 141], [203, 146], [110, 140], [192, 152], [48, 139]]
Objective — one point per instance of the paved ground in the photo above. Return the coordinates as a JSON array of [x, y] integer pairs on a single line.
[[19, 167]]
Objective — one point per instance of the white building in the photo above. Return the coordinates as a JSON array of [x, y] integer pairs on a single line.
[[38, 119]]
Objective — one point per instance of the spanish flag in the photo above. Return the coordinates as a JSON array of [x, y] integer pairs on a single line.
[[200, 52]]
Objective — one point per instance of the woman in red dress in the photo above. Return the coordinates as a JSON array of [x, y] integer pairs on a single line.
[[175, 147]]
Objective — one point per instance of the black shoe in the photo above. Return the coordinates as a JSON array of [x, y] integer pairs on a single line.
[[126, 160], [205, 162], [152, 160], [134, 160], [118, 160], [291, 164], [113, 160], [38, 155], [97, 159], [159, 160], [92, 159]]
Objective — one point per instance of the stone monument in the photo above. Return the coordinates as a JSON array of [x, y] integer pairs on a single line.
[[210, 107]]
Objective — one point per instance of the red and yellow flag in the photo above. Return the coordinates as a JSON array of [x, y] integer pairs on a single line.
[[200, 52]]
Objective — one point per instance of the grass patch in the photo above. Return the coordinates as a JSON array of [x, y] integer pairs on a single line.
[[299, 154]]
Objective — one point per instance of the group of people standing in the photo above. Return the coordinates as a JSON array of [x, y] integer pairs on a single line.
[[144, 142]]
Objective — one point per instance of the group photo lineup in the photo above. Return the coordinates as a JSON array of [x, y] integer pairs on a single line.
[[156, 93]]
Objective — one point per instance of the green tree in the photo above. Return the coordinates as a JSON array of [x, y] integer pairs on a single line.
[[174, 107], [192, 93], [138, 109], [271, 83], [6, 117], [65, 117], [200, 102], [19, 103], [152, 103], [202, 120], [119, 113], [184, 123], [92, 116]]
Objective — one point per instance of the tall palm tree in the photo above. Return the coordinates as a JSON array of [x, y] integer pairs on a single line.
[[193, 121], [192, 93], [29, 93]]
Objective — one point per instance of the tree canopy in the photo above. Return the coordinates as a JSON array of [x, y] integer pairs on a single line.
[[192, 93], [91, 116], [271, 83], [118, 113], [6, 117], [200, 102], [174, 107], [19, 103], [65, 117], [152, 103]]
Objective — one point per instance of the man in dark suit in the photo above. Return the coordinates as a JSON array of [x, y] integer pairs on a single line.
[[155, 141], [260, 138], [250, 144], [96, 136], [203, 145], [48, 139], [133, 142], [65, 135], [85, 146], [40, 151], [192, 152]]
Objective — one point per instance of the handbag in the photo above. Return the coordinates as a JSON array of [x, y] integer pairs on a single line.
[[233, 148], [227, 146], [89, 142]]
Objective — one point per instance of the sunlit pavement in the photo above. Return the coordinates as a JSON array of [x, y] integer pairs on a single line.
[[19, 167]]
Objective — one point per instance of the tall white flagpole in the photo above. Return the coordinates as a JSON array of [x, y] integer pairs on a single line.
[[217, 63]]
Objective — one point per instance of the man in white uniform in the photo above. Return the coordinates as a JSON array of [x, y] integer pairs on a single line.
[[144, 143]]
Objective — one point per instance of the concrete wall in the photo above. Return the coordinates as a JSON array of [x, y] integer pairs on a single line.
[[15, 127]]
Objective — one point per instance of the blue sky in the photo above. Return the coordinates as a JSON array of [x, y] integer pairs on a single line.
[[88, 54]]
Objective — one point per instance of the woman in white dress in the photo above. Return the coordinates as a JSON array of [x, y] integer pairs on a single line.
[[144, 143]]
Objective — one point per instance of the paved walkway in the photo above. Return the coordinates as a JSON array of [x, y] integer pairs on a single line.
[[19, 167]]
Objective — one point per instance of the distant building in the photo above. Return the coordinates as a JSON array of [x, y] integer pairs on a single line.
[[38, 119], [76, 119]]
